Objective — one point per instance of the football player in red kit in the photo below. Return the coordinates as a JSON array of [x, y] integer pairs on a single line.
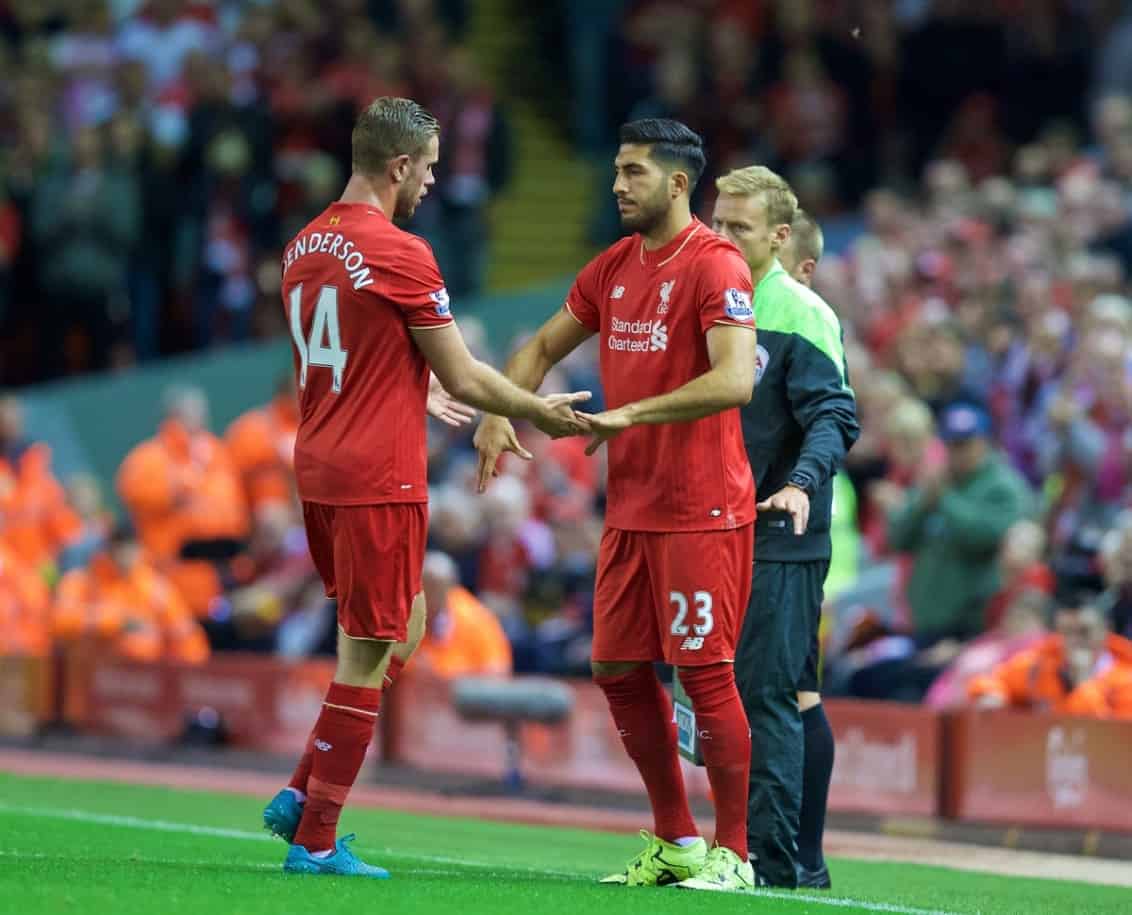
[[369, 317], [672, 305]]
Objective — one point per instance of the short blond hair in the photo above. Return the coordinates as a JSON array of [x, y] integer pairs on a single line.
[[781, 202], [809, 241]]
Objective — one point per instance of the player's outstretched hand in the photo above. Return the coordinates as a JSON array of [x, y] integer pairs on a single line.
[[603, 426], [445, 407], [494, 436], [794, 502], [559, 419]]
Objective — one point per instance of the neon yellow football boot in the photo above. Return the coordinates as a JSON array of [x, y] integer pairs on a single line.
[[723, 871], [661, 863]]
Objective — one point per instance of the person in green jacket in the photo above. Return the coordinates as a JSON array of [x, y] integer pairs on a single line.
[[953, 523], [797, 429]]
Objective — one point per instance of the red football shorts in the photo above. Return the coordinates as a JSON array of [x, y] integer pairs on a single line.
[[369, 558], [677, 597]]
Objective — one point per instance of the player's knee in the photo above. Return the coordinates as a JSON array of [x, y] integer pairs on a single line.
[[361, 662], [705, 681], [807, 700], [603, 670]]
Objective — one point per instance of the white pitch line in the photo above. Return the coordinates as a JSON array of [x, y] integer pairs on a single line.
[[134, 859], [131, 822], [113, 819]]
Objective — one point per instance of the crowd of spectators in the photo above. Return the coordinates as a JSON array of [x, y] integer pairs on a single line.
[[156, 155], [840, 96], [988, 325]]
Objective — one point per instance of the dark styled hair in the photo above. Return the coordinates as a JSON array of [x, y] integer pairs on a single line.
[[670, 143], [388, 128]]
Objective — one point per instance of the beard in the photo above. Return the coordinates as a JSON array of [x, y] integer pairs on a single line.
[[407, 200], [650, 214]]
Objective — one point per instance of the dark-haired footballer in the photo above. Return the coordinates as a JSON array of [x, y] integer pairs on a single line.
[[672, 305]]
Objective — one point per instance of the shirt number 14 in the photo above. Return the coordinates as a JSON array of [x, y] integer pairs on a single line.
[[324, 326]]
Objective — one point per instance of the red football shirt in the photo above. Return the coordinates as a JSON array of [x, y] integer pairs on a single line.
[[653, 310], [353, 286]]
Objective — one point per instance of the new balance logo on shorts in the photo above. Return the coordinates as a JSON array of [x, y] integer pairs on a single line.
[[692, 644], [323, 745]]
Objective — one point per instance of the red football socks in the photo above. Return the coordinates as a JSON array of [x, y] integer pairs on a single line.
[[643, 715], [302, 771], [338, 747], [725, 741]]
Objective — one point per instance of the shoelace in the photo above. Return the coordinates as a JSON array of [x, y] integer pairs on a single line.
[[638, 861], [716, 867]]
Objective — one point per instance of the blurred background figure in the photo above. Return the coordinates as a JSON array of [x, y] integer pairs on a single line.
[[262, 446], [36, 521], [123, 607], [953, 521], [1067, 671], [24, 609], [183, 491], [270, 580], [463, 637], [84, 495]]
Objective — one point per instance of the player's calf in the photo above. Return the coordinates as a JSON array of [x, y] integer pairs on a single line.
[[725, 740], [642, 712]]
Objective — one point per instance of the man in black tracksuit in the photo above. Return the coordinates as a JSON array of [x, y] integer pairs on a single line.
[[798, 427]]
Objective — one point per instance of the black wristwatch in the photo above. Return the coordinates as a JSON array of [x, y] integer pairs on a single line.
[[804, 482]]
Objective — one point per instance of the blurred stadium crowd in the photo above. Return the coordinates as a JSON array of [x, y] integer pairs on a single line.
[[158, 153], [978, 216]]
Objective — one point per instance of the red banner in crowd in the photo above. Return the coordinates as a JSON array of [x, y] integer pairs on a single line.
[[1040, 770], [887, 759], [264, 703], [25, 694]]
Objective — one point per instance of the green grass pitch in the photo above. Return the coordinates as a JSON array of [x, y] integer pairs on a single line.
[[91, 848]]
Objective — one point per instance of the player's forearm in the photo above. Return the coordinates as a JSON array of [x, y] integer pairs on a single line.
[[486, 389], [529, 366], [712, 392]]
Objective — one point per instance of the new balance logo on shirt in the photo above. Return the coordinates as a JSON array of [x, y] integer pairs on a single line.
[[323, 745]]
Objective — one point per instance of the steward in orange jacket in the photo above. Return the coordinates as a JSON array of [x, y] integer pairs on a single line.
[[35, 520], [23, 608], [180, 487], [121, 603], [1077, 671], [462, 636], [262, 446]]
